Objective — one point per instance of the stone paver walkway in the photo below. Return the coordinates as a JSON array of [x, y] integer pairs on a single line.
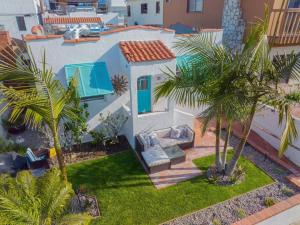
[[203, 146]]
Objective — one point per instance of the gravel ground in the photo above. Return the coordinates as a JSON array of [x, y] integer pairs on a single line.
[[235, 209]]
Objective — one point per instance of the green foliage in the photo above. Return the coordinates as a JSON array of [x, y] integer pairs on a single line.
[[8, 146], [36, 94], [294, 96], [120, 184], [269, 201], [99, 137], [110, 128], [216, 221], [26, 200], [75, 129], [237, 174], [288, 191], [240, 213]]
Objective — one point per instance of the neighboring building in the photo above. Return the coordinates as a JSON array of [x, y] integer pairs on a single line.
[[57, 4], [141, 12], [19, 16], [234, 16], [139, 53]]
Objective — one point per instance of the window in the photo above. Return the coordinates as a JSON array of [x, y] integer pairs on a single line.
[[128, 11], [195, 5], [144, 8], [21, 23], [142, 84], [294, 4], [157, 7]]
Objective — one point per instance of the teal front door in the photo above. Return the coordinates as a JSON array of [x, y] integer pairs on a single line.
[[144, 94]]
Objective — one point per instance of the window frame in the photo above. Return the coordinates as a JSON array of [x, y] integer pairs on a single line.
[[128, 11], [142, 9], [195, 8], [157, 7], [21, 22]]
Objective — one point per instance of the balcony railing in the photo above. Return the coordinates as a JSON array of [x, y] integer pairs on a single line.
[[284, 27]]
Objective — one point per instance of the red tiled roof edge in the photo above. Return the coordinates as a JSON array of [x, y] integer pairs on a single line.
[[90, 39], [31, 37], [135, 28], [269, 212], [141, 51], [71, 20]]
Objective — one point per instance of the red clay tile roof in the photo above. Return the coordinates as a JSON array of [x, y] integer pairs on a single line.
[[87, 39], [135, 28], [140, 51], [71, 20], [30, 37]]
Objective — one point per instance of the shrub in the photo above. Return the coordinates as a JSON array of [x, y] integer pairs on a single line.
[[237, 175], [216, 221], [8, 146], [269, 201], [240, 213], [288, 192]]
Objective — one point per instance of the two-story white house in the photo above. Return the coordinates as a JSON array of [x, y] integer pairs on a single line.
[[140, 53], [19, 16]]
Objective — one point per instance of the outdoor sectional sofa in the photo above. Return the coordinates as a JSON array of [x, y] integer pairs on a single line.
[[152, 147]]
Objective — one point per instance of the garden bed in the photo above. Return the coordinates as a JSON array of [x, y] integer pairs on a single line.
[[82, 203], [87, 151], [232, 210], [127, 195]]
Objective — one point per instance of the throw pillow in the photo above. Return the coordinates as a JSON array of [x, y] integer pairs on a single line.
[[146, 141], [175, 133], [183, 132], [154, 139]]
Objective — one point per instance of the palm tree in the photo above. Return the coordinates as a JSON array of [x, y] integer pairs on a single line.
[[206, 80], [28, 90], [263, 74], [26, 200]]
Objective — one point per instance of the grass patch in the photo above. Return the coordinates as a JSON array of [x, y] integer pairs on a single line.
[[127, 196]]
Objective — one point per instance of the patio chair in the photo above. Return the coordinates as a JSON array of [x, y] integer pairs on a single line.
[[35, 161]]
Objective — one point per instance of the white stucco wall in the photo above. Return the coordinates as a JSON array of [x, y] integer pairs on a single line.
[[150, 121], [266, 123], [59, 53], [107, 49], [151, 17], [11, 8]]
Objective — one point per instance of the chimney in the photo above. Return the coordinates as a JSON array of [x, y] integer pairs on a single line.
[[5, 39]]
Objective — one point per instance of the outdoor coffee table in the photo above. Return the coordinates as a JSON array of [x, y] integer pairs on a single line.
[[175, 154]]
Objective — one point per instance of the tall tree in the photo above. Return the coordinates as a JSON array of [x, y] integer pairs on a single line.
[[32, 90], [26, 200], [263, 73], [205, 79]]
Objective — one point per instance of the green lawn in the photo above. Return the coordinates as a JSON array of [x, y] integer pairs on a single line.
[[126, 195]]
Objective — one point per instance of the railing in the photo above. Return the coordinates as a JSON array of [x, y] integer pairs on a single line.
[[284, 27]]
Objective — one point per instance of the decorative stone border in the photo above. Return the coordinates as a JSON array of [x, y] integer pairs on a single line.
[[269, 212]]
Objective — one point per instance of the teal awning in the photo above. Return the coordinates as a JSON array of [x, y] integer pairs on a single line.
[[93, 78]]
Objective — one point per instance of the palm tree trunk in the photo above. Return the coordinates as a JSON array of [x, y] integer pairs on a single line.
[[218, 135], [237, 153], [59, 154], [225, 150]]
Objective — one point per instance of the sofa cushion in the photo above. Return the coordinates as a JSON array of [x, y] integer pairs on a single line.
[[155, 156], [154, 139]]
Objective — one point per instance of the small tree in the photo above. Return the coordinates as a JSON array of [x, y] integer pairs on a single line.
[[26, 200], [39, 96], [110, 128], [74, 130]]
